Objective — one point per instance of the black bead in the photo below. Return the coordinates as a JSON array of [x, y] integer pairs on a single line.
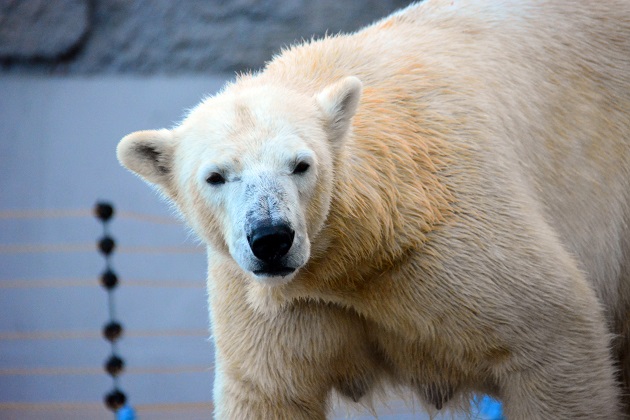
[[115, 400], [114, 365], [104, 211], [109, 279], [106, 245], [112, 331]]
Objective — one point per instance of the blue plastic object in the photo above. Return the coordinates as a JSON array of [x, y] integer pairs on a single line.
[[125, 413], [488, 408]]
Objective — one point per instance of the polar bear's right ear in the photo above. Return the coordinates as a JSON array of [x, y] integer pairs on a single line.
[[149, 154], [339, 102]]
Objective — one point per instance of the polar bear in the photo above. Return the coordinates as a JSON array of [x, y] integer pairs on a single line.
[[439, 202]]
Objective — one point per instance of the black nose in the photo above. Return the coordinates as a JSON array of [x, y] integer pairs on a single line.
[[269, 243]]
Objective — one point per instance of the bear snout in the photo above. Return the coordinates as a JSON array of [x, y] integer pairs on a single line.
[[270, 242]]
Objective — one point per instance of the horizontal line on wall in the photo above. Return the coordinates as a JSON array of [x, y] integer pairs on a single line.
[[89, 334], [92, 247], [140, 408], [144, 408], [149, 218], [50, 406], [45, 213], [69, 282], [85, 371], [82, 213]]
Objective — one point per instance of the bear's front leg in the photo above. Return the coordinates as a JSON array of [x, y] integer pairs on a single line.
[[281, 365], [246, 398], [567, 371]]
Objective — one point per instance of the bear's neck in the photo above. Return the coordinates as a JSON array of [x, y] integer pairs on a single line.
[[389, 196]]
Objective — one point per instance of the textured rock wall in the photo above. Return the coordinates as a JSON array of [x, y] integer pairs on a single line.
[[166, 36]]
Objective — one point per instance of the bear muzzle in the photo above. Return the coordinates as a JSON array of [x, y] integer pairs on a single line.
[[270, 242]]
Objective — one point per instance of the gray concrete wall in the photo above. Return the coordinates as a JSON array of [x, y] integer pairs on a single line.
[[57, 158], [163, 36]]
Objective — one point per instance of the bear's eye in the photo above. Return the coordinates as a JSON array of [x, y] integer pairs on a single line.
[[215, 178], [301, 167]]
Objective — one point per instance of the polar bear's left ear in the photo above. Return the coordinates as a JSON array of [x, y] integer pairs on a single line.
[[149, 154], [339, 102]]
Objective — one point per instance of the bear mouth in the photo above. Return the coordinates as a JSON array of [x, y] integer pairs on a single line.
[[274, 271]]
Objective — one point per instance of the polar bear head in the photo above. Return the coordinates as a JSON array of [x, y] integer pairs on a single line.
[[251, 170]]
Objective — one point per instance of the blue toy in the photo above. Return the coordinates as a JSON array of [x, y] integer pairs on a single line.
[[488, 408], [125, 413]]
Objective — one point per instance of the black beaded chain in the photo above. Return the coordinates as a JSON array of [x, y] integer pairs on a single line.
[[112, 331]]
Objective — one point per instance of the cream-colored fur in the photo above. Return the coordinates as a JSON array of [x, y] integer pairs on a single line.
[[463, 225]]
